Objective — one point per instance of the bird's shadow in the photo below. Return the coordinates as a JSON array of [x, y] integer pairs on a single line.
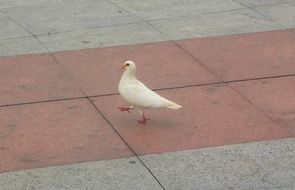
[[154, 123]]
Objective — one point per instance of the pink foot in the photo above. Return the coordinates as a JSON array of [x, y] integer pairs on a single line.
[[125, 109], [143, 121]]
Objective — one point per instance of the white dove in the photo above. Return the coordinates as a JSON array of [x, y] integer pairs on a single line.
[[138, 95]]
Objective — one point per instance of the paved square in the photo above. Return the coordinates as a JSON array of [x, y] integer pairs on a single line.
[[229, 63], [33, 78], [55, 133], [211, 116]]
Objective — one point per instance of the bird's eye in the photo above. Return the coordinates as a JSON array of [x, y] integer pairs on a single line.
[[127, 64]]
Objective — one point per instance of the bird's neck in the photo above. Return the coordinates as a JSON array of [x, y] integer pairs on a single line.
[[129, 75]]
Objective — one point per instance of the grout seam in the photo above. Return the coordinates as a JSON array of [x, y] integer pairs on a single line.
[[156, 89], [218, 77], [125, 142], [171, 40], [268, 18], [68, 75], [187, 53], [252, 104]]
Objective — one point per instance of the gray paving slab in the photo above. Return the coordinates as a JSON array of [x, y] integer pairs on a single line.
[[9, 29], [215, 24], [20, 46], [127, 173], [159, 9], [75, 24], [17, 3], [251, 166], [255, 3], [281, 13], [103, 37], [67, 15]]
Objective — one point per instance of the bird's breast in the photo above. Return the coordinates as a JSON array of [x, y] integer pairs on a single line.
[[127, 91]]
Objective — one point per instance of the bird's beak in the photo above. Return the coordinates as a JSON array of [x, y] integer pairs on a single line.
[[123, 67]]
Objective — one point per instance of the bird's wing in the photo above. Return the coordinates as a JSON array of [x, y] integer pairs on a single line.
[[136, 93]]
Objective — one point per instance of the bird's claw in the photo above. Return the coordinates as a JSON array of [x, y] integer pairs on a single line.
[[124, 109]]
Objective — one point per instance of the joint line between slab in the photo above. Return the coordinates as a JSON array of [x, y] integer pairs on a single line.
[[263, 5], [268, 18], [225, 82], [196, 15], [180, 16], [216, 75], [69, 76], [125, 142], [157, 89], [32, 35], [252, 104], [228, 82], [186, 52]]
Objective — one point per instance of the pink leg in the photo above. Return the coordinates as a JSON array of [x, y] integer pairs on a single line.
[[144, 119], [125, 109]]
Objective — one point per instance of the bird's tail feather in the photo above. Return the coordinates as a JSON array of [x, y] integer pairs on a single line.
[[173, 105]]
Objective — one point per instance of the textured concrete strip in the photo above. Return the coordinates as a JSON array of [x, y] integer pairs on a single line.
[[211, 115], [102, 37], [32, 78], [19, 3], [74, 24], [246, 56], [169, 65], [20, 46], [161, 9], [274, 96], [55, 133], [215, 24], [117, 174], [9, 29], [266, 165], [255, 3], [56, 16], [281, 13]]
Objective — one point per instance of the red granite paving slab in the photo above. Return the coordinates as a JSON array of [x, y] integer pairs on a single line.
[[274, 96], [31, 78], [211, 116], [247, 55], [55, 133], [159, 65]]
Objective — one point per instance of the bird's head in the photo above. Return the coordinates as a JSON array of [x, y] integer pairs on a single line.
[[129, 66]]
